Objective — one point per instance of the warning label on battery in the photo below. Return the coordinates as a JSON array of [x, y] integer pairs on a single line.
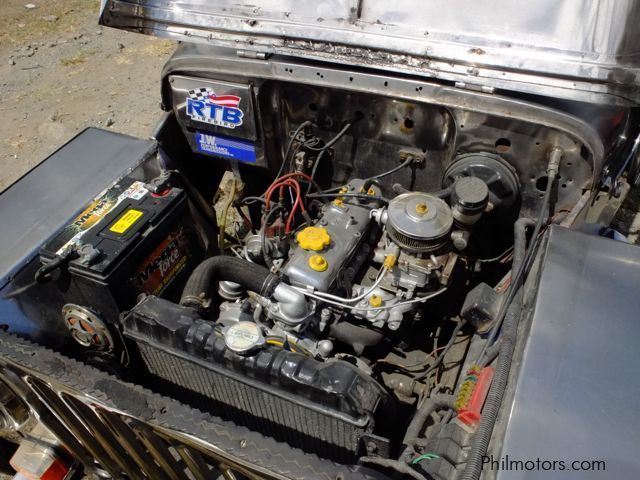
[[95, 212], [126, 221]]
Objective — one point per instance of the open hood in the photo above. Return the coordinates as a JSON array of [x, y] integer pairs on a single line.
[[584, 50]]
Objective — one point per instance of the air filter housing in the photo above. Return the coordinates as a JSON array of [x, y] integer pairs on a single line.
[[419, 222]]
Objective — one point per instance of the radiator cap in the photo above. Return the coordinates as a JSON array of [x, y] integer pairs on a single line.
[[243, 337]]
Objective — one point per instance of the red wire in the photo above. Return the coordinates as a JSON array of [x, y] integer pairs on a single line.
[[288, 176], [294, 174], [288, 180], [298, 204]]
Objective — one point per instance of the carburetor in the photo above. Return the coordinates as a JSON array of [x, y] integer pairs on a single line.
[[420, 224]]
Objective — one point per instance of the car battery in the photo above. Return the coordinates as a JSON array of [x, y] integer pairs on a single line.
[[128, 241]]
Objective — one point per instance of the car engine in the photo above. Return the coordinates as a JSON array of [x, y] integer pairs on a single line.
[[341, 306], [335, 269]]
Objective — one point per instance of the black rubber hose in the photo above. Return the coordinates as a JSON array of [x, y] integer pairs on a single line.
[[362, 196], [444, 193], [256, 278], [395, 169], [426, 408], [480, 442]]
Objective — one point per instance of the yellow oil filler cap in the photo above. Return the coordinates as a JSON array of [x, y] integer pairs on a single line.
[[318, 263], [313, 238]]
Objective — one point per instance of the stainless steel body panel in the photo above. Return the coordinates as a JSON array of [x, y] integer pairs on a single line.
[[445, 120], [576, 391], [40, 203], [580, 50]]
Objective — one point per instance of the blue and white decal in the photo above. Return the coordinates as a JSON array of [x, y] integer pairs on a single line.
[[203, 105], [235, 149]]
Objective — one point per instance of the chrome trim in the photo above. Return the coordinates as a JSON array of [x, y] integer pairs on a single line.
[[332, 76], [115, 428], [586, 51]]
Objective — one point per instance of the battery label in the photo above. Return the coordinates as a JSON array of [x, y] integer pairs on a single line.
[[96, 211], [163, 265], [126, 221]]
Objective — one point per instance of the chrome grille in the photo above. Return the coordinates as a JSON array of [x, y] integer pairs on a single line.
[[119, 430]]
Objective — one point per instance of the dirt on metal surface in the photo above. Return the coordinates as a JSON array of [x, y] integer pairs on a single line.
[[60, 72]]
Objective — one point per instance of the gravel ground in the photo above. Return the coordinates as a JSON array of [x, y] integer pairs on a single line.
[[60, 72]]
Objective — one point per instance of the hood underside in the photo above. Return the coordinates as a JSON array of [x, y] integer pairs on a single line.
[[586, 51]]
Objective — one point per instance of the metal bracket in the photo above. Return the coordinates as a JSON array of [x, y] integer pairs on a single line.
[[252, 54], [474, 87], [418, 155], [376, 445]]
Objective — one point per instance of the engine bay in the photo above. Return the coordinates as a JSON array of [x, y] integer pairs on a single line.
[[335, 268]]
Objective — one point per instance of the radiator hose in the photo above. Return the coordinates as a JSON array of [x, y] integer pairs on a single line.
[[256, 278]]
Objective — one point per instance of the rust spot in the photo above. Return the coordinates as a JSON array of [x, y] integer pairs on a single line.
[[477, 51]]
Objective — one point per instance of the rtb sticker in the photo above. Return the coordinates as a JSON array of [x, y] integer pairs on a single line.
[[204, 105]]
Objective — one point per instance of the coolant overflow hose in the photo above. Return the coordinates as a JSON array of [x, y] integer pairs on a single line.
[[256, 278]]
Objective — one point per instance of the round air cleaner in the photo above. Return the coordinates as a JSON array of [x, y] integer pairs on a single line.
[[419, 222]]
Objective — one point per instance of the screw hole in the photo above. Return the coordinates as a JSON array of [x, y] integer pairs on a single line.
[[408, 123], [541, 183], [503, 145], [386, 84], [351, 79]]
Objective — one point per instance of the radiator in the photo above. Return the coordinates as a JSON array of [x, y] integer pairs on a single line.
[[322, 407]]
